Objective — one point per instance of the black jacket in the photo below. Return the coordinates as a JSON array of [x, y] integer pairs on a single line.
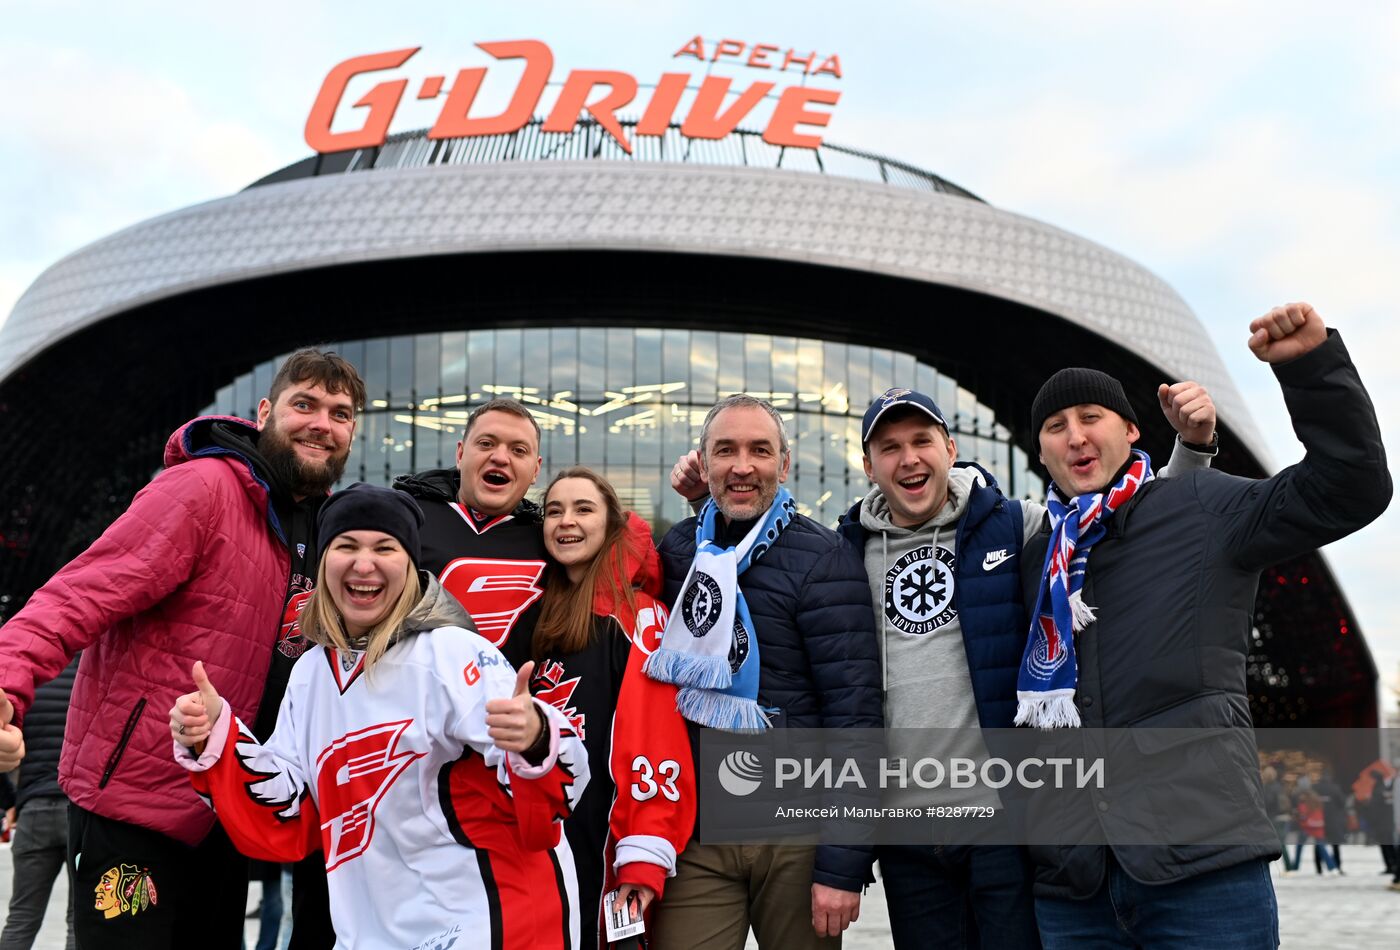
[[1174, 582], [819, 659], [43, 737]]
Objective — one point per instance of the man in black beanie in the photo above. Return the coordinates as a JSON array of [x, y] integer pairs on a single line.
[[1144, 621]]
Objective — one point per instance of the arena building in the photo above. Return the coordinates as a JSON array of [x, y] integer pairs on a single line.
[[619, 295]]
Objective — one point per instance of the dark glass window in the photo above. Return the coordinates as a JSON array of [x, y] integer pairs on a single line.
[[629, 401]]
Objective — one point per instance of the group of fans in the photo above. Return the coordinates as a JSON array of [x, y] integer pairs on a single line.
[[467, 717]]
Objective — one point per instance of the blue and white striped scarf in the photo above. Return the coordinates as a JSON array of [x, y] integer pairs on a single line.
[[1049, 674], [710, 647]]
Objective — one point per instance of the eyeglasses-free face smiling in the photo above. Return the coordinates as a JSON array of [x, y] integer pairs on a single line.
[[909, 459], [306, 436], [365, 574], [744, 462], [575, 524]]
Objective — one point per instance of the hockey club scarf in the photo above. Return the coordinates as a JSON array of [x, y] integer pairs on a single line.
[[1049, 674], [709, 647]]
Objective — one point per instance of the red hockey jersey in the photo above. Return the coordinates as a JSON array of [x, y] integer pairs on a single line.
[[638, 811]]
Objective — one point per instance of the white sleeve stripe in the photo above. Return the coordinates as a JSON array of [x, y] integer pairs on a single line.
[[646, 849]]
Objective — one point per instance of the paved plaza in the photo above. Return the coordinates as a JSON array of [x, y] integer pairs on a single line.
[[1353, 912]]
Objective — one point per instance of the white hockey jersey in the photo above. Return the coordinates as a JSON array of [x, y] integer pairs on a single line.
[[433, 837]]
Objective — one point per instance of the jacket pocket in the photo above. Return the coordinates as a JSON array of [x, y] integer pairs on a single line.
[[115, 758]]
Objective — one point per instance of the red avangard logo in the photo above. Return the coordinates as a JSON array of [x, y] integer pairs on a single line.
[[549, 686], [494, 592], [352, 775]]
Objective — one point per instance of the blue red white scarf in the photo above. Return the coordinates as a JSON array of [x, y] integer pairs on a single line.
[[1049, 674], [710, 647]]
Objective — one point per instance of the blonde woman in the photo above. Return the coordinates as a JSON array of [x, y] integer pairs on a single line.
[[406, 749]]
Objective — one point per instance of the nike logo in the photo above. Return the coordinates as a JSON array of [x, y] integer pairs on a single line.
[[995, 558]]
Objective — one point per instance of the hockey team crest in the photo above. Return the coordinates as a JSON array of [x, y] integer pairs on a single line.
[[701, 605], [124, 889], [919, 591]]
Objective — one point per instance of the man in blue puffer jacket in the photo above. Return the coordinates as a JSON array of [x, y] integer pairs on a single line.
[[808, 603]]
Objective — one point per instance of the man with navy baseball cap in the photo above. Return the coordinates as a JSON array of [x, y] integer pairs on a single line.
[[941, 546]]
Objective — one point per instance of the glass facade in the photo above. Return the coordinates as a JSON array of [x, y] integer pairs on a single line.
[[628, 401]]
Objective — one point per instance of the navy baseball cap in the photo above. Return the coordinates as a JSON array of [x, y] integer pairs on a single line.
[[893, 398]]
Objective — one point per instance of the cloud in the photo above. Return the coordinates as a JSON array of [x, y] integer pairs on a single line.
[[97, 145]]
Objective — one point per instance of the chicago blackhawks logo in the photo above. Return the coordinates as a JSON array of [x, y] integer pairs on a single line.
[[124, 889], [494, 592], [353, 774], [701, 605], [919, 591]]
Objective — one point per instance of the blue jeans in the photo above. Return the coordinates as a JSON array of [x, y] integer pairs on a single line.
[[959, 898], [1321, 856], [270, 920], [1230, 909]]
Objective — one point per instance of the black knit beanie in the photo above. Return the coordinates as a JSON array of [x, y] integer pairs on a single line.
[[364, 507], [1075, 386]]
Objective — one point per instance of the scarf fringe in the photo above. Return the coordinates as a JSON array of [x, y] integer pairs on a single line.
[[1050, 710], [689, 669], [720, 710], [1081, 614]]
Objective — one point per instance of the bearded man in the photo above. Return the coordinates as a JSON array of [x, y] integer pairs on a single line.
[[212, 559]]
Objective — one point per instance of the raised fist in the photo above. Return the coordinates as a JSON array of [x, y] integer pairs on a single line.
[[1286, 333]]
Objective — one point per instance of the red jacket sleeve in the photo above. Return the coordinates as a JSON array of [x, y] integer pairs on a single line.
[[261, 822], [654, 814], [149, 551]]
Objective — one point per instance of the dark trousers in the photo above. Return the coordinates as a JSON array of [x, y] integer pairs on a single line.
[[40, 850], [951, 898], [136, 888], [311, 906], [1391, 855]]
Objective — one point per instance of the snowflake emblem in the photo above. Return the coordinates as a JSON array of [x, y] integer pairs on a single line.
[[919, 591]]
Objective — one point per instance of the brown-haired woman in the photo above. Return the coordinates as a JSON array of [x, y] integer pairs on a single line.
[[598, 623]]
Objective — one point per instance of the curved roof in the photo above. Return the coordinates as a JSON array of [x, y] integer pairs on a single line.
[[680, 208]]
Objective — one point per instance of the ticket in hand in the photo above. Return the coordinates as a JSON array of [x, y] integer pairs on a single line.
[[623, 918]]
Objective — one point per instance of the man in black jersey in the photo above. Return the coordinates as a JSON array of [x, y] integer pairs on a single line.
[[481, 537]]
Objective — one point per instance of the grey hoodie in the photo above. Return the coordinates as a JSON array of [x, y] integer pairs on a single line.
[[927, 682]]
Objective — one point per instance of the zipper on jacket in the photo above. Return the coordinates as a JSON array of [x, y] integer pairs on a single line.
[[116, 756]]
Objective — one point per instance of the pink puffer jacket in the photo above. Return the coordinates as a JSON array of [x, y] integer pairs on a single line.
[[195, 569]]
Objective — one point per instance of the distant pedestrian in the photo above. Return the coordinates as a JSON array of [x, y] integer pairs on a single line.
[[40, 848], [1280, 808], [1334, 811], [1380, 819], [1312, 822]]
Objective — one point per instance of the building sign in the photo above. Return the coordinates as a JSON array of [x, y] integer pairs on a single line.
[[712, 113]]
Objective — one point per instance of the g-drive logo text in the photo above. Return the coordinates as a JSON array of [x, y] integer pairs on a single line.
[[742, 773]]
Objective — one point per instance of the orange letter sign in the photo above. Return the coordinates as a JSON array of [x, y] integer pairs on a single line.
[[453, 121], [382, 100]]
